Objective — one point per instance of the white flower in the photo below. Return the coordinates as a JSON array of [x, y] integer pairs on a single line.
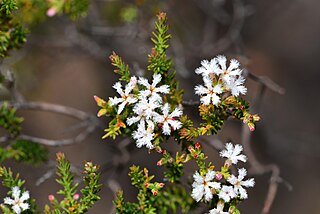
[[227, 193], [209, 91], [235, 86], [143, 135], [238, 183], [18, 203], [168, 120], [152, 90], [202, 186], [207, 68], [227, 73], [140, 116], [219, 209], [233, 153], [145, 108], [125, 96]]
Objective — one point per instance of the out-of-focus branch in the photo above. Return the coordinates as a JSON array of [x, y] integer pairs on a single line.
[[78, 139], [265, 81], [89, 121], [55, 108], [256, 166], [10, 84], [190, 102], [235, 26]]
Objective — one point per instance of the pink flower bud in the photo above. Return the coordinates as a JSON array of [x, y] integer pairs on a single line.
[[251, 126], [50, 197], [76, 196], [159, 163], [51, 12], [195, 156], [161, 184], [155, 192], [218, 177], [146, 185]]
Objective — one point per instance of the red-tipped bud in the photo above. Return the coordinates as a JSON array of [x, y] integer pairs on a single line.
[[50, 197], [159, 163], [251, 126], [100, 102], [60, 156], [146, 185], [101, 112], [197, 146], [161, 184], [195, 156], [155, 192], [190, 149], [218, 177], [153, 52], [164, 151]]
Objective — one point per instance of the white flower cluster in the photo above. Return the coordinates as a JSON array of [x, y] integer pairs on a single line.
[[210, 184], [149, 109], [218, 78], [18, 202]]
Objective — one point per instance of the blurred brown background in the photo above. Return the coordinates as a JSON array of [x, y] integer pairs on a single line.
[[66, 63]]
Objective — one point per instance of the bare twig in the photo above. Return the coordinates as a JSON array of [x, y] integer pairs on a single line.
[[55, 108], [89, 121], [190, 102], [270, 84], [256, 166], [78, 139], [215, 143], [234, 29]]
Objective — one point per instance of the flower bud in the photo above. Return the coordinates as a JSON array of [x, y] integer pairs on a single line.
[[197, 146], [230, 100], [227, 163], [161, 184], [256, 117], [190, 148], [218, 176], [251, 126], [76, 196], [51, 12], [50, 197], [159, 163], [155, 192]]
